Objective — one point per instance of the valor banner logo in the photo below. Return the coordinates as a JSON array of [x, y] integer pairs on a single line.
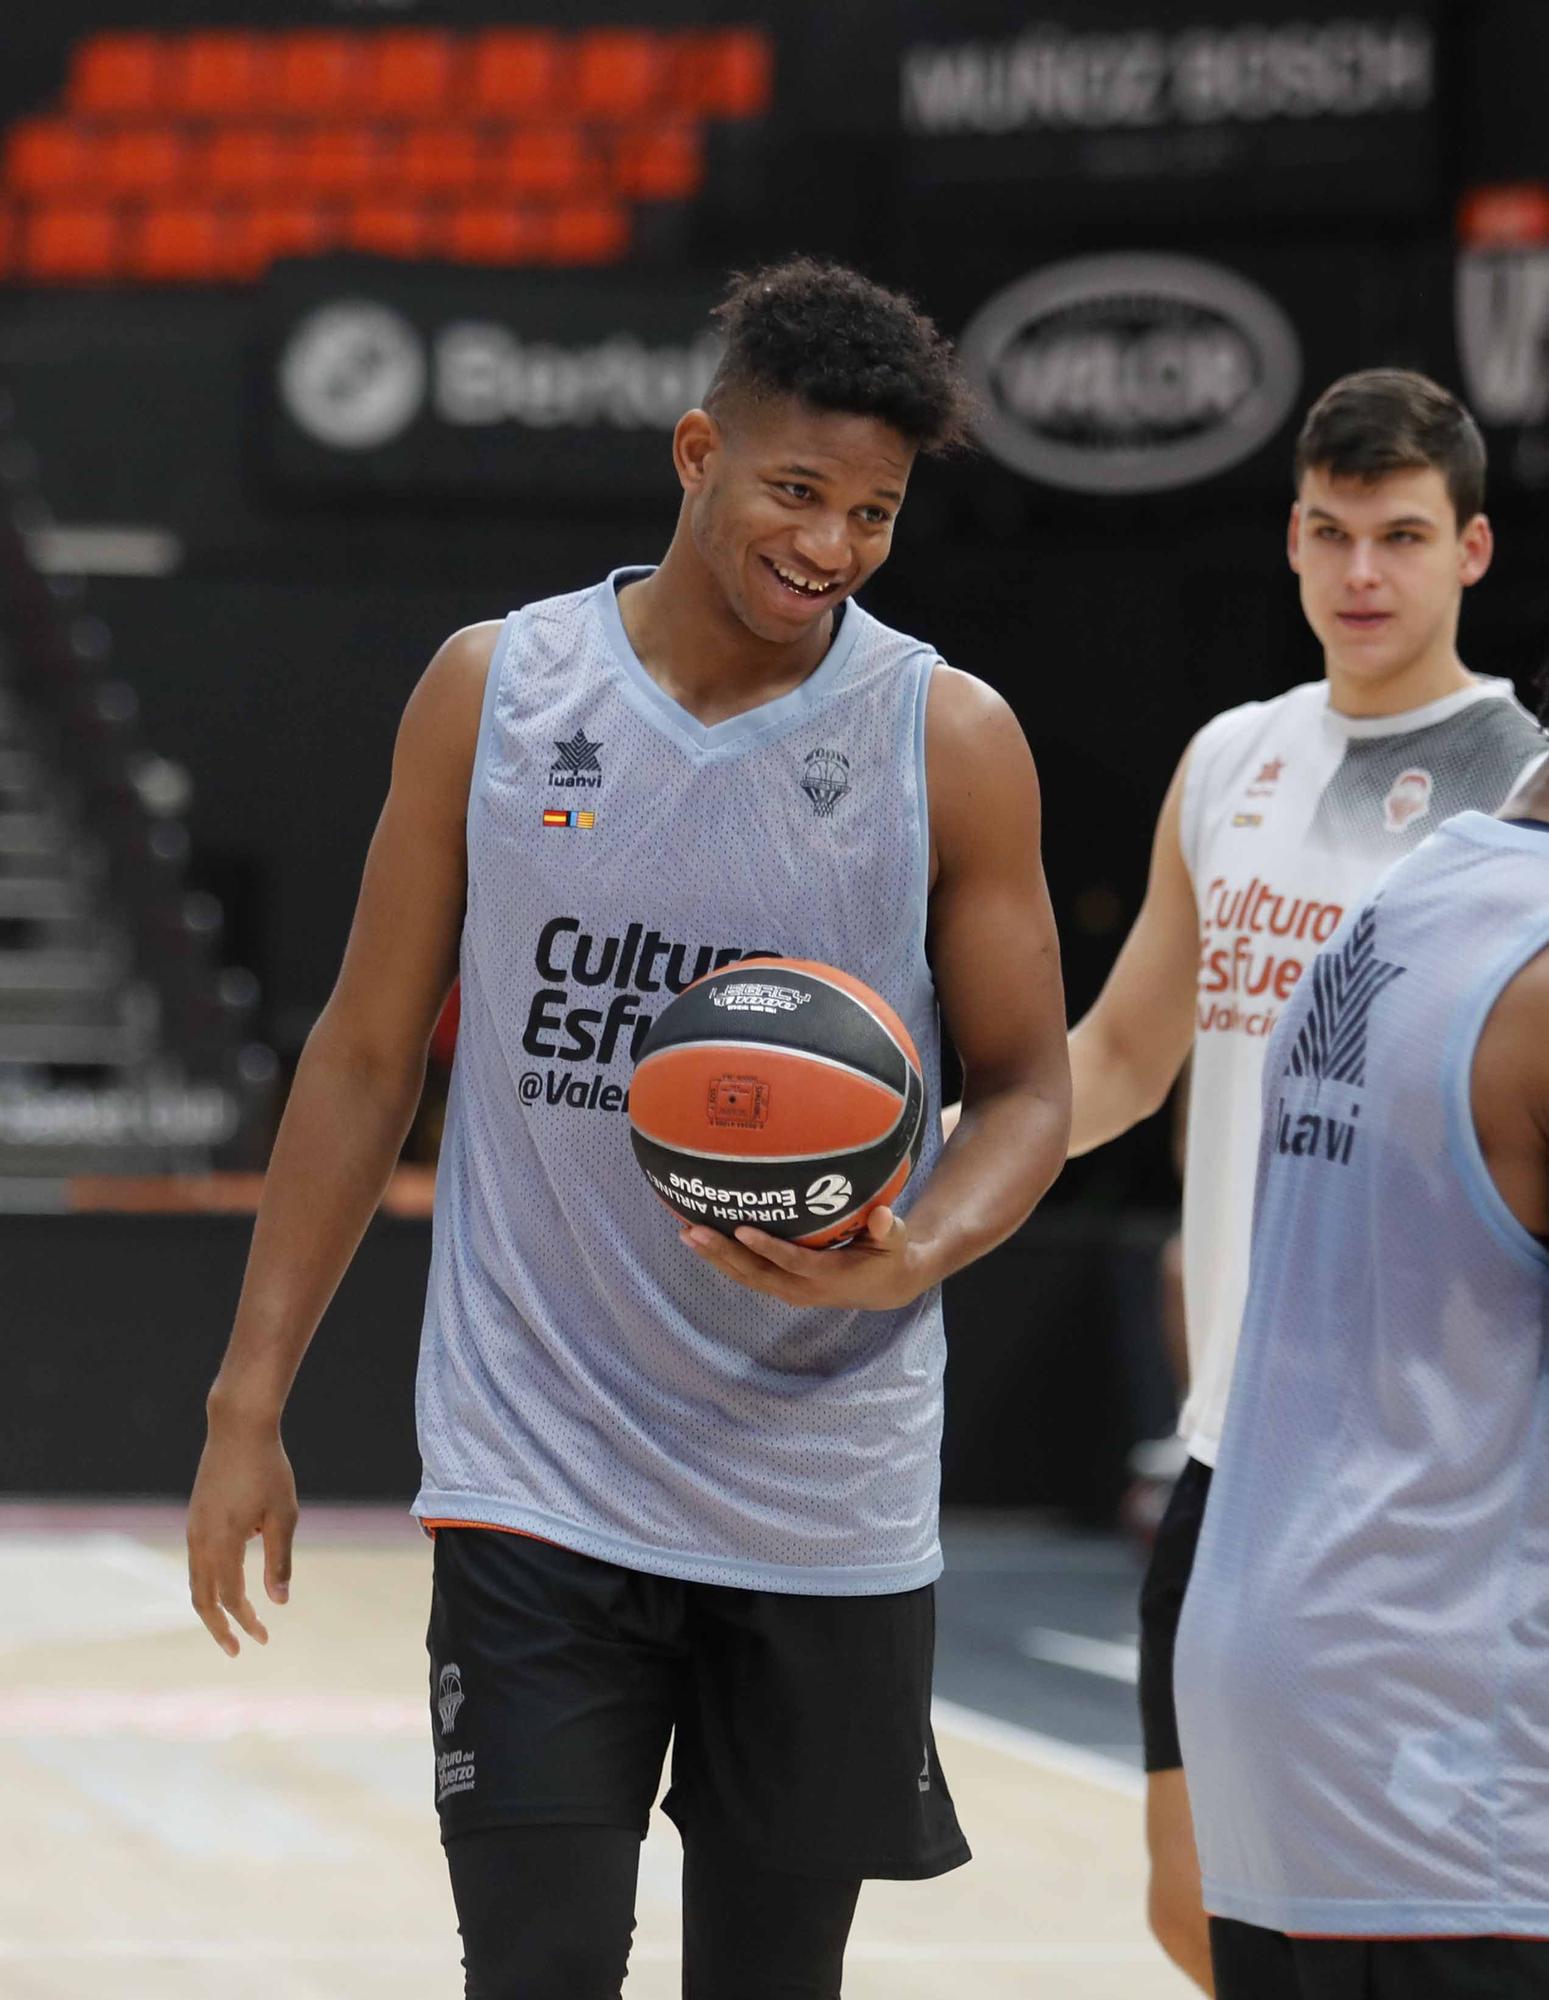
[[1131, 373]]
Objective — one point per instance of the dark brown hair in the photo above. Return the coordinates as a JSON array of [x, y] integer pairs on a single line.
[[823, 333], [1392, 420]]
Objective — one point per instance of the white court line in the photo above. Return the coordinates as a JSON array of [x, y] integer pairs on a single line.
[[1044, 1753], [418, 1951], [1114, 1659]]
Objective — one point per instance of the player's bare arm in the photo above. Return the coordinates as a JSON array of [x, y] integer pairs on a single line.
[[1127, 1049], [995, 959], [1510, 1091], [355, 1093]]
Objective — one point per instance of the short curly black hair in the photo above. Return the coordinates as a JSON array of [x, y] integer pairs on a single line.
[[823, 333]]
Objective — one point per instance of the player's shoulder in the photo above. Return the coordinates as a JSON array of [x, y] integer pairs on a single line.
[[1497, 717], [1253, 718], [963, 714], [1268, 727]]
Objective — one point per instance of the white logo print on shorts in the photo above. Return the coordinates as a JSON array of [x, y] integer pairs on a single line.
[[449, 1696]]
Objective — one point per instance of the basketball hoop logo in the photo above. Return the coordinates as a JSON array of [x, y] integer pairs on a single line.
[[825, 778], [449, 1697]]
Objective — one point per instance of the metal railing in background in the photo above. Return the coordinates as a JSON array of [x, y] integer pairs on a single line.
[[125, 1044]]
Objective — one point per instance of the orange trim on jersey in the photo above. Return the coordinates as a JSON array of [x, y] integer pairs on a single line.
[[493, 1527]]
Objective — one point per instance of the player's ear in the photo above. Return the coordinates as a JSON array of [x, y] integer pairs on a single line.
[[1476, 549], [1293, 537], [696, 438]]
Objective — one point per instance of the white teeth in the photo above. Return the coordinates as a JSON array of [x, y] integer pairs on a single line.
[[798, 582]]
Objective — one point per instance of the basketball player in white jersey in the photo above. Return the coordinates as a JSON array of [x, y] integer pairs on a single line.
[[1279, 817], [680, 1490], [1363, 1660]]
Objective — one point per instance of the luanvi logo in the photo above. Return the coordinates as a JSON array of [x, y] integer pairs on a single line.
[[1131, 373], [576, 763], [1330, 1046], [1331, 1043]]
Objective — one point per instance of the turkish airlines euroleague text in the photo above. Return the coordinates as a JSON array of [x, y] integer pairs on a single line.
[[1255, 942]]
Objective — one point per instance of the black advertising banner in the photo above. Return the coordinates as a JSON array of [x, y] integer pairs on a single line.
[[1203, 109], [1162, 371], [433, 382]]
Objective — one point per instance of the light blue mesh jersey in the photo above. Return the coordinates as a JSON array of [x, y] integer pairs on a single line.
[[1363, 1662], [583, 1376]]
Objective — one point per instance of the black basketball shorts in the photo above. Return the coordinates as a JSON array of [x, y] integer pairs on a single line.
[[1254, 1964], [800, 1726], [1161, 1606]]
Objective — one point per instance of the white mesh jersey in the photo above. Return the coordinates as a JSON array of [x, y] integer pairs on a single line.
[[583, 1376], [1290, 811], [1363, 1661]]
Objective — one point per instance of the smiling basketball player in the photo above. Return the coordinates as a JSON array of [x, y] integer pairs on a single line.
[[681, 1489]]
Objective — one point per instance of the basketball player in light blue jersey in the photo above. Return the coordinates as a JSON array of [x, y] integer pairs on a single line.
[[680, 1490], [1363, 1662]]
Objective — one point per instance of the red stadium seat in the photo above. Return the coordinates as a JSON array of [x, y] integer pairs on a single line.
[[221, 73], [390, 228], [412, 73], [246, 160], [46, 156], [661, 163], [518, 73], [70, 241], [318, 71], [144, 160], [496, 233], [117, 73], [725, 73], [282, 229], [438, 159], [588, 232], [619, 73], [555, 161], [340, 160], [183, 242]]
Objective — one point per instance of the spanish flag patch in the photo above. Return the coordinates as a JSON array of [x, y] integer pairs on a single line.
[[557, 816]]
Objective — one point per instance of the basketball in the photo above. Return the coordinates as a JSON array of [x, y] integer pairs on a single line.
[[781, 1094]]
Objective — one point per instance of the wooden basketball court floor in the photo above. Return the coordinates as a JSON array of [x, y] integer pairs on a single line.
[[176, 1824]]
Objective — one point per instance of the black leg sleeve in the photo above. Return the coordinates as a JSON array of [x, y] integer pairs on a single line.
[[753, 1933], [546, 1912]]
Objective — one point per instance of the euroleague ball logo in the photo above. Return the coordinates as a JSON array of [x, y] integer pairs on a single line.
[[828, 1194], [1130, 373], [353, 375]]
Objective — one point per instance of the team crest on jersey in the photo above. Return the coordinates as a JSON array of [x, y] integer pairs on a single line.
[[825, 778], [576, 763], [1408, 799]]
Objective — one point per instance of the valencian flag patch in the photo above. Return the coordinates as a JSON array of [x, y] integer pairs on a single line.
[[557, 816]]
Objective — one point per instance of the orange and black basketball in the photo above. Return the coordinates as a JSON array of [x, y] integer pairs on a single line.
[[781, 1094]]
